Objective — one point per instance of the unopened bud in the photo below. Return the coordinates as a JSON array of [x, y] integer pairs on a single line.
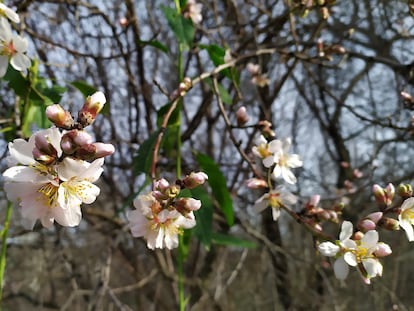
[[357, 173], [187, 205], [384, 196], [389, 224], [43, 144], [86, 152], [256, 183], [161, 184], [80, 138], [383, 250], [67, 145], [103, 150], [41, 157], [366, 225], [337, 49], [93, 105], [358, 235], [195, 179], [60, 117], [313, 201], [254, 69], [405, 190], [408, 99], [266, 129], [374, 217], [242, 116]]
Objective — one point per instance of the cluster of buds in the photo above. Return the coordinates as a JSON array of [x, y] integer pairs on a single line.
[[258, 78], [86, 116], [162, 214], [316, 215], [384, 196], [54, 171], [183, 88], [265, 128], [326, 51]]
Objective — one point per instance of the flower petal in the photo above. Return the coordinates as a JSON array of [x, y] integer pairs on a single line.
[[350, 259], [341, 269], [408, 228], [328, 249], [346, 230]]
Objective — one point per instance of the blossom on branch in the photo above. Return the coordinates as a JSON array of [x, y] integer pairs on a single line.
[[275, 199], [162, 215], [13, 48], [406, 218], [192, 10], [45, 187], [362, 253]]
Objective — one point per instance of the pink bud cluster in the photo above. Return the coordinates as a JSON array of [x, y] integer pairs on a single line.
[[168, 195], [86, 116], [161, 215], [75, 141]]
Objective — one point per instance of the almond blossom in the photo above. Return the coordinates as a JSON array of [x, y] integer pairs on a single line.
[[363, 253], [275, 153], [275, 199], [159, 227], [52, 192], [283, 160], [406, 218], [193, 10], [13, 48]]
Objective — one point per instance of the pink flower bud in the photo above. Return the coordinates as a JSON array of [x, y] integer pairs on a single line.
[[80, 138], [67, 144], [358, 235], [357, 173], [390, 191], [194, 179], [93, 105], [60, 117], [374, 217], [42, 157], [254, 69], [242, 116], [383, 250], [161, 184], [187, 205], [366, 225], [103, 150], [314, 200], [256, 183], [43, 144], [86, 152]]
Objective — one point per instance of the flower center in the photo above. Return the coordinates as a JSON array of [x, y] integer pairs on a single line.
[[274, 200], [408, 214], [263, 150], [50, 193], [8, 49]]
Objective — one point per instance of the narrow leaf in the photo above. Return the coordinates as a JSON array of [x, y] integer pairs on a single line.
[[218, 186]]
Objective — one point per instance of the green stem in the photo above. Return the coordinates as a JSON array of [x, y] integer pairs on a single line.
[[181, 295], [4, 247]]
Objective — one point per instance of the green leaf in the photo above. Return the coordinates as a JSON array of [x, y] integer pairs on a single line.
[[85, 88], [34, 114], [218, 186], [142, 160], [156, 44], [215, 52], [204, 217], [224, 95], [182, 27], [228, 240]]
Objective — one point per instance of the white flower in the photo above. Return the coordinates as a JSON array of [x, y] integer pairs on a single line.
[[12, 47], [193, 11], [283, 161], [9, 13], [275, 199], [159, 227], [264, 150], [355, 253], [53, 192], [406, 218]]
